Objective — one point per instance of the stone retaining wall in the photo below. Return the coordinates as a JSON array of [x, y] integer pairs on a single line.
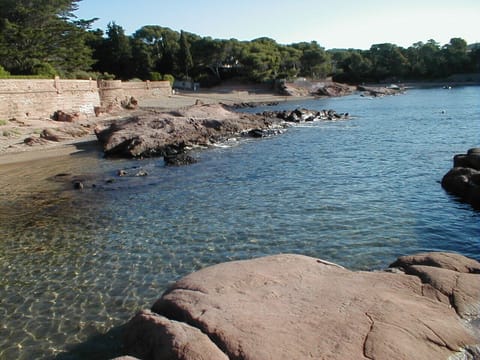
[[22, 99]]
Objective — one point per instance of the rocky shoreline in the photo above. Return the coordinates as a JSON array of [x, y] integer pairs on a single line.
[[171, 134], [297, 307]]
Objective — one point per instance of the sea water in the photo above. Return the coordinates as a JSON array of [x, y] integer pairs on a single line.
[[76, 265]]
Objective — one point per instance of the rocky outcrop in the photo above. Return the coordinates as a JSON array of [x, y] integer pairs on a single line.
[[298, 307], [307, 88], [464, 179], [333, 89], [377, 91], [166, 134], [305, 115]]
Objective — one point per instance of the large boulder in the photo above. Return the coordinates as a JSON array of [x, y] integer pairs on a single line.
[[463, 180], [298, 307], [157, 134]]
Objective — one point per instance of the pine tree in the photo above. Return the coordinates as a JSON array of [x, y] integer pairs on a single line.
[[42, 34], [184, 56]]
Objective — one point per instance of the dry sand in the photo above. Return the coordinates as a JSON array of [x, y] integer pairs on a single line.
[[14, 132]]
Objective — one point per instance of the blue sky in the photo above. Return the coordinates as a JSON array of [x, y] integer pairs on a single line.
[[333, 24]]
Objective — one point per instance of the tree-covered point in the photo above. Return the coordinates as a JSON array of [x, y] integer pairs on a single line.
[[44, 37]]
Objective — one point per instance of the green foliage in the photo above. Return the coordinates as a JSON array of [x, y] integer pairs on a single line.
[[46, 34], [184, 55], [170, 78], [3, 73], [83, 75], [106, 76], [155, 76], [44, 69], [3, 122], [49, 41]]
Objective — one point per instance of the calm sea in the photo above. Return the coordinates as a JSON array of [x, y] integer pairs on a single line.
[[75, 265]]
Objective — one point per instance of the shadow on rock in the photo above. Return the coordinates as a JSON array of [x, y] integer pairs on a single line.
[[464, 179]]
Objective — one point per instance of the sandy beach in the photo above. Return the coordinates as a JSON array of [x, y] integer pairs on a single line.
[[13, 133]]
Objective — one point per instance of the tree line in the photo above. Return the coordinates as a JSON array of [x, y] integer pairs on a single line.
[[43, 37]]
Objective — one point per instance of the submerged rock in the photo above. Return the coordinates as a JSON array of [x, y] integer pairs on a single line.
[[179, 160], [463, 180], [298, 307]]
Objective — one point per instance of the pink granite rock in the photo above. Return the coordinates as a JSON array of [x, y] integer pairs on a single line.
[[298, 307]]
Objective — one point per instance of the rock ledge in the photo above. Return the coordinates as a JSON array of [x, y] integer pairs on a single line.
[[298, 307]]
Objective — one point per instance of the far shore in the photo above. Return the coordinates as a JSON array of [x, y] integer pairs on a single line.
[[12, 135]]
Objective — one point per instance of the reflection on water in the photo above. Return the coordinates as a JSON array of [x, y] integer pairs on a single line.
[[76, 264]]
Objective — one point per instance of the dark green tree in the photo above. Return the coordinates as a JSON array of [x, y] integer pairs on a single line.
[[40, 34], [185, 59], [456, 56], [114, 53], [387, 61], [315, 61], [260, 60], [162, 45]]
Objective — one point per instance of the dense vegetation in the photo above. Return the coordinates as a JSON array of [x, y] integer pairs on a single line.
[[43, 37]]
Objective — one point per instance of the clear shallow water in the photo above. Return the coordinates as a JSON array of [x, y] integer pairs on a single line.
[[360, 193]]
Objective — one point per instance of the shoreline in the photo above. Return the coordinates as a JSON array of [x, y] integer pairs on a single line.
[[14, 150], [14, 132]]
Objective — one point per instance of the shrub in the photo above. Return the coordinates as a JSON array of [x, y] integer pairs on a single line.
[[155, 76], [84, 75], [106, 76], [168, 77], [3, 73], [44, 69]]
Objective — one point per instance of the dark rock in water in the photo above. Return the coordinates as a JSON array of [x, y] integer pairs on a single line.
[[78, 185], [261, 133], [304, 115], [464, 179], [179, 159], [298, 307]]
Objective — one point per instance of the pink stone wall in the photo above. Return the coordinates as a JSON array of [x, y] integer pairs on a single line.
[[22, 99]]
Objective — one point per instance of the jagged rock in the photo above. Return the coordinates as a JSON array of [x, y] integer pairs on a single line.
[[464, 179], [63, 116], [298, 307], [333, 90], [303, 115], [153, 134], [261, 133], [129, 103]]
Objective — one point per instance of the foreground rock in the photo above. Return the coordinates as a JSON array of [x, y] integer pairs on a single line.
[[298, 307], [168, 134], [464, 179]]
